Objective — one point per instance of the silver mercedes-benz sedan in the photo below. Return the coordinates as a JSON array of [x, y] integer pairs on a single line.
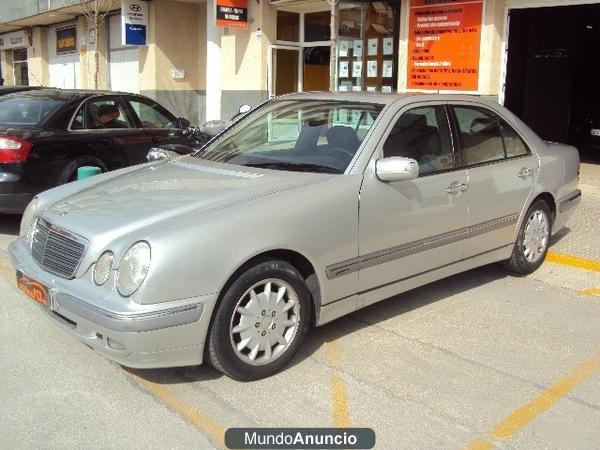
[[310, 207]]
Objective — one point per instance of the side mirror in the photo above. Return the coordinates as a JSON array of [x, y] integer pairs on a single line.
[[396, 168], [182, 123], [244, 109], [157, 154]]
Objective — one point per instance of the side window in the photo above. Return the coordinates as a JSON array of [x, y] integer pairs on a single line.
[[152, 115], [479, 130], [104, 114], [422, 134], [78, 120], [512, 141]]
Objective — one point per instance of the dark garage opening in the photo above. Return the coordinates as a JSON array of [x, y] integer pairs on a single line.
[[553, 77]]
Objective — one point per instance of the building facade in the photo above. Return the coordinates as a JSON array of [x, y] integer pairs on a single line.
[[202, 63]]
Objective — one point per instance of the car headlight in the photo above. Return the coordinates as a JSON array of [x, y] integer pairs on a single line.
[[28, 216], [133, 268], [103, 268]]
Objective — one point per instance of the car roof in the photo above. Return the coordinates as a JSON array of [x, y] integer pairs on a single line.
[[67, 94], [380, 98]]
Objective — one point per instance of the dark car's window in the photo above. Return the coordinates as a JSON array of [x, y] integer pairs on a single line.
[[422, 134], [308, 135], [480, 135], [512, 141], [101, 113], [23, 110], [151, 114]]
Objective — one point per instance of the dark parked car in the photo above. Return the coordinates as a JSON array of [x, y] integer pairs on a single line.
[[12, 89], [47, 134]]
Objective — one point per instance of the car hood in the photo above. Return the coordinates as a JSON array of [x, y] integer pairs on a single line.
[[158, 194]]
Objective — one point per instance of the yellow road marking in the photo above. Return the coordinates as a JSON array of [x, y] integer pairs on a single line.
[[479, 444], [593, 291], [573, 261], [195, 417], [518, 419], [341, 410]]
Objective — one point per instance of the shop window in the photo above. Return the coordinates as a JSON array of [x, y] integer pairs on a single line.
[[317, 26], [288, 26], [368, 37], [20, 67]]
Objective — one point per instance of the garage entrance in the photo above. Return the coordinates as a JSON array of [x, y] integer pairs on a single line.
[[551, 73]]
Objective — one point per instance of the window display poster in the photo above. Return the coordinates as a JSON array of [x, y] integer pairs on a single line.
[[357, 88], [344, 72], [343, 48], [371, 88], [358, 47], [371, 69], [388, 68], [386, 89], [372, 46], [357, 69], [388, 46], [443, 48]]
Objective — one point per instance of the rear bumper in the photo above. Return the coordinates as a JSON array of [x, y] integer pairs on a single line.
[[14, 203], [169, 334], [569, 201], [14, 194]]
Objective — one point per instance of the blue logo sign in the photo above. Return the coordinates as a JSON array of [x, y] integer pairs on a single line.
[[135, 34]]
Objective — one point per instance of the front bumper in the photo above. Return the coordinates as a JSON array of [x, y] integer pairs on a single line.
[[169, 334]]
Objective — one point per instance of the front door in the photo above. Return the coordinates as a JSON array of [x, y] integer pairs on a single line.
[[501, 171], [159, 126], [411, 227]]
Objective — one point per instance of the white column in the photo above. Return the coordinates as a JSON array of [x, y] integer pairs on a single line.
[[213, 63]]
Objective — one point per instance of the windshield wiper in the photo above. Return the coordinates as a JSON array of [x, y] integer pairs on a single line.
[[299, 167]]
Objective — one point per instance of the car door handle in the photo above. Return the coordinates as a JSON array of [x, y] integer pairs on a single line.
[[525, 172], [455, 188]]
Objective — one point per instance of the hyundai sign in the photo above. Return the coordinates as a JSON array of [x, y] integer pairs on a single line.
[[134, 22]]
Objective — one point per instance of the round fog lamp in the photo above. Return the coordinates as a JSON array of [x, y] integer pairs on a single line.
[[103, 267]]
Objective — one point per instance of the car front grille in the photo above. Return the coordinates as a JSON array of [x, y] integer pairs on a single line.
[[56, 250]]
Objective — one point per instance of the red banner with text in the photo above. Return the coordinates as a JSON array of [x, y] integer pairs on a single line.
[[232, 13], [444, 41]]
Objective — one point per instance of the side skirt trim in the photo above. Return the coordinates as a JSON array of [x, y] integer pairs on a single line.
[[401, 251]]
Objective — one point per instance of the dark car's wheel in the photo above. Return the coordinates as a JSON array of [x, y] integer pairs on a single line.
[[260, 321], [533, 240], [69, 171]]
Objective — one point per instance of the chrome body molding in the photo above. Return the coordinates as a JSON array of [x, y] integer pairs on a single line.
[[401, 251], [568, 201], [129, 323]]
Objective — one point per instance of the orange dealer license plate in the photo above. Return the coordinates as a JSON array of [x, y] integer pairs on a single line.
[[33, 289]]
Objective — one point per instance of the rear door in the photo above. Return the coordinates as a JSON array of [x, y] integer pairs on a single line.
[[501, 171], [109, 132], [156, 122]]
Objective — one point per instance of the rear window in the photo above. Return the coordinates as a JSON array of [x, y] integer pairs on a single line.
[[27, 111]]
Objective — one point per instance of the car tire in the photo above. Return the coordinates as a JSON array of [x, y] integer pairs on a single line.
[[69, 171], [533, 240], [260, 341]]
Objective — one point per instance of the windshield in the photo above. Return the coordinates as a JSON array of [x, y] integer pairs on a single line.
[[27, 111], [313, 136]]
